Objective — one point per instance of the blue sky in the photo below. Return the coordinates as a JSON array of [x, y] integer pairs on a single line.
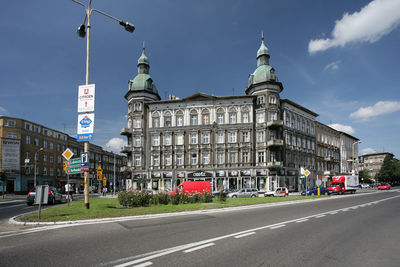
[[337, 58]]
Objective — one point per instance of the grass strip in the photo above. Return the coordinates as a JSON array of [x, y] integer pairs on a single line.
[[110, 208]]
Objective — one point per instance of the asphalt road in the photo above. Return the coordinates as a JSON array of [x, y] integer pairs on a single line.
[[350, 230]]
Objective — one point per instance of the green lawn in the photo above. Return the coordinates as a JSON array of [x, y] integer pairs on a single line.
[[109, 207]]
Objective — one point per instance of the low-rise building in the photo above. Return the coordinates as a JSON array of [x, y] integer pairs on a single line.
[[372, 162]]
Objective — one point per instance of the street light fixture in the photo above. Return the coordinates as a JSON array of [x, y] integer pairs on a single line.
[[82, 32], [36, 155]]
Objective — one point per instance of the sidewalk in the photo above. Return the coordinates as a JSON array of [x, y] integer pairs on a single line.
[[11, 197]]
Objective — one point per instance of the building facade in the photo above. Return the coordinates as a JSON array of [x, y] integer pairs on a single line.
[[372, 162], [327, 153], [252, 140], [348, 153], [25, 144]]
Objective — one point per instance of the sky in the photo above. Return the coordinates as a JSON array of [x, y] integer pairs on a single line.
[[338, 58]]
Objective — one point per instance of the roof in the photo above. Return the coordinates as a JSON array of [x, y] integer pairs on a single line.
[[299, 107]]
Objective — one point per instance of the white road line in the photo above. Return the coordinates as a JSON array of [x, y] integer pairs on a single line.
[[144, 264], [346, 209], [243, 235], [333, 212], [320, 216], [355, 207], [199, 247], [304, 220], [277, 226]]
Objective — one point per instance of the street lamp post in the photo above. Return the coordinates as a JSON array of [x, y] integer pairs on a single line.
[[82, 33], [36, 155]]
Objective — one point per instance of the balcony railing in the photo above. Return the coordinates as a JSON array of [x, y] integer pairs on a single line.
[[126, 149], [126, 131], [275, 142], [275, 123]]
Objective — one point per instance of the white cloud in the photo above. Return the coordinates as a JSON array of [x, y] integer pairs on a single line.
[[333, 65], [380, 108], [368, 150], [115, 144], [342, 128], [3, 111], [373, 21]]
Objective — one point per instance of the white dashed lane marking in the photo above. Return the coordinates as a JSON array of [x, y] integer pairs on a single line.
[[199, 247], [244, 235]]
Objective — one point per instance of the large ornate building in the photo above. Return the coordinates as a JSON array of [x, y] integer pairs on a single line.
[[252, 140]]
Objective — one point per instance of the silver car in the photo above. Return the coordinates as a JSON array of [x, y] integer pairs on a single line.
[[245, 192]]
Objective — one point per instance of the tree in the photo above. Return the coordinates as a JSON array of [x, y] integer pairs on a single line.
[[365, 177], [390, 170]]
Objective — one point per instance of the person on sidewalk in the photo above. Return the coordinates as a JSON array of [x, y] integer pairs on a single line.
[[104, 191]]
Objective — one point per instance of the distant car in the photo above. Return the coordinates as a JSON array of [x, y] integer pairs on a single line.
[[279, 192], [384, 186], [314, 191], [364, 185], [245, 192], [225, 191], [53, 196]]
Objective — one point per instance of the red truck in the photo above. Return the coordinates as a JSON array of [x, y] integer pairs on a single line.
[[193, 187], [342, 184]]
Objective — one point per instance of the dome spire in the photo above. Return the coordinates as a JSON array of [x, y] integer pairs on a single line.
[[143, 58]]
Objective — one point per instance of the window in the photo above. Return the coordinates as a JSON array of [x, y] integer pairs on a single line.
[[138, 160], [193, 159], [44, 144], [206, 158], [137, 123], [261, 158], [260, 136], [260, 100], [205, 117], [245, 117], [58, 172], [168, 160], [51, 145], [220, 137], [58, 159], [156, 122], [156, 160], [193, 138], [45, 171], [44, 157], [27, 155], [232, 117], [137, 141], [232, 157], [245, 157], [179, 159], [36, 141], [294, 140], [220, 158], [137, 106], [27, 140], [11, 123], [232, 137], [167, 120], [28, 127], [245, 137], [272, 99], [51, 172], [273, 116], [260, 118], [179, 118], [220, 118], [156, 140], [167, 140], [51, 159], [179, 139], [193, 117], [206, 138], [288, 139], [58, 147]]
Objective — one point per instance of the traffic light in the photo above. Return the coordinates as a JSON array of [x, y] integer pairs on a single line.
[[99, 172], [65, 165], [104, 181]]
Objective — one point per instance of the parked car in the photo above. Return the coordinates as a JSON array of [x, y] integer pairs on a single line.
[[53, 196], [245, 192], [279, 192], [314, 191], [225, 191], [364, 186], [384, 186]]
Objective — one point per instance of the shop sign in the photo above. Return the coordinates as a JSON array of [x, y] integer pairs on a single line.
[[220, 173], [180, 174], [167, 175], [262, 173], [233, 173], [199, 174], [245, 173]]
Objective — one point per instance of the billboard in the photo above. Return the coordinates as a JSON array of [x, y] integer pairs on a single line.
[[10, 154]]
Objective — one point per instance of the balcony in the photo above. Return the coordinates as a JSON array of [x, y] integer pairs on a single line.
[[126, 131], [126, 149], [275, 123], [275, 142], [274, 164], [328, 158]]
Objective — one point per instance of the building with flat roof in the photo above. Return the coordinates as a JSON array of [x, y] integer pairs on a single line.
[[372, 162]]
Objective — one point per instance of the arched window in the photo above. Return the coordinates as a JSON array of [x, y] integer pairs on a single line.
[[220, 116], [232, 116], [205, 117], [193, 117], [179, 118], [156, 120], [167, 119]]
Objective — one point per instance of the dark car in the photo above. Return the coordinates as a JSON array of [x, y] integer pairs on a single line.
[[314, 191], [53, 196]]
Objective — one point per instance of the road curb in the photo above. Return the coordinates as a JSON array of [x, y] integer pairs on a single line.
[[160, 215]]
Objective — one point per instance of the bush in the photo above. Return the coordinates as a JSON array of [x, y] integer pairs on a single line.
[[134, 198], [176, 199], [207, 197], [222, 196], [161, 198]]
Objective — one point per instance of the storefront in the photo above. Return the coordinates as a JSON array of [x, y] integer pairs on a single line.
[[262, 180]]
